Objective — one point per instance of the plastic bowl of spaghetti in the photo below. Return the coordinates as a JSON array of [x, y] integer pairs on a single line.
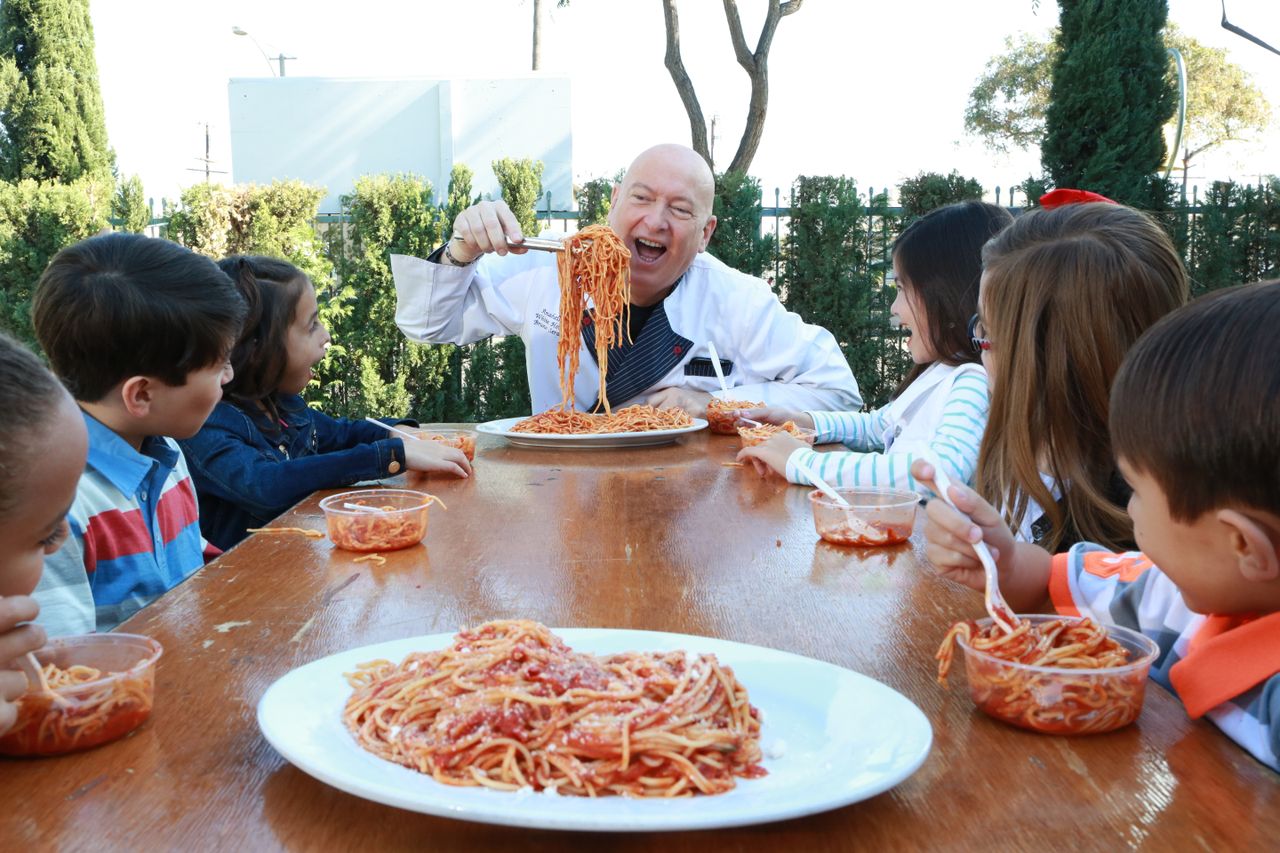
[[722, 415], [377, 519], [462, 439], [101, 687], [874, 517], [1098, 686], [753, 435]]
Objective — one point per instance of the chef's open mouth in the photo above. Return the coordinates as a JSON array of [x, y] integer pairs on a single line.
[[649, 250]]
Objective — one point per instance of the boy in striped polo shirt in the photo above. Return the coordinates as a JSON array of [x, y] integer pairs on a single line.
[[139, 331], [1195, 423]]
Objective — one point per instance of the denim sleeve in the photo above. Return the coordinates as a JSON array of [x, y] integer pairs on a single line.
[[340, 434], [225, 464]]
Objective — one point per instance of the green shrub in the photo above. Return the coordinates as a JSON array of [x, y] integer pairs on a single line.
[[737, 239], [830, 278], [129, 206], [371, 368], [929, 190], [594, 198], [36, 222]]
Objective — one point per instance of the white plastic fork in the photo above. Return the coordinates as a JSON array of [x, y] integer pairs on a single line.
[[997, 608], [390, 428]]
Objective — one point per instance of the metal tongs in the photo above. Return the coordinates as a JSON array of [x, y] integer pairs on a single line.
[[538, 243]]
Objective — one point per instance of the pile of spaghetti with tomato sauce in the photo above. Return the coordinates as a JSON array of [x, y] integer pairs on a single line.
[[509, 706]]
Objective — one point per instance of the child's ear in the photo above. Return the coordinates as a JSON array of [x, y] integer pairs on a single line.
[[1251, 544], [135, 393]]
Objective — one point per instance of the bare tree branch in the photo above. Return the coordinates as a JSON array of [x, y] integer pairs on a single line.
[[757, 67], [740, 49], [679, 76], [755, 63]]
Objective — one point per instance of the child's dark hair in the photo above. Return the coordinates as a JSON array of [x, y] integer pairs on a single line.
[[121, 305], [29, 397], [1196, 405], [271, 289], [940, 256]]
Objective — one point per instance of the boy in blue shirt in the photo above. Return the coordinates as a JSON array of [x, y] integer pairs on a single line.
[[139, 331]]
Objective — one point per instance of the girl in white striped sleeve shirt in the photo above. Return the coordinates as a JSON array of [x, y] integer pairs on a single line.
[[942, 404]]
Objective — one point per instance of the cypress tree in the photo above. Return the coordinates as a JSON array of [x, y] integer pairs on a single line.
[[52, 125], [1110, 98]]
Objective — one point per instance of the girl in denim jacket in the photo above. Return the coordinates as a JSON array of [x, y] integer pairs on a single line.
[[263, 449]]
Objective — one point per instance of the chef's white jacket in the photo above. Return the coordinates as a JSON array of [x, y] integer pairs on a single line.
[[768, 353]]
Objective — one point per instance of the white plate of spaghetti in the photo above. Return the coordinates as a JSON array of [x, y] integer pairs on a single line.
[[811, 736], [582, 441]]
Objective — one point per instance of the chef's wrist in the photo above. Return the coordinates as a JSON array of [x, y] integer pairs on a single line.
[[450, 258]]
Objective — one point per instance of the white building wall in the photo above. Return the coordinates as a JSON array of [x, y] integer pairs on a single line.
[[328, 132]]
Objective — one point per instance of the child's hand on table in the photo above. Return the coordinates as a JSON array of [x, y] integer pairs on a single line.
[[436, 457], [772, 455]]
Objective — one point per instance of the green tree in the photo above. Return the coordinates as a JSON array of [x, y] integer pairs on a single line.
[[460, 198], [1223, 104], [371, 368], [831, 280], [1110, 97], [508, 393], [1007, 105], [594, 198], [129, 206], [930, 190], [737, 239], [521, 182], [1235, 236], [50, 104], [37, 220]]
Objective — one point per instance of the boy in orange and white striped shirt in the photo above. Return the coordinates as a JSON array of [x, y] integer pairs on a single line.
[[1195, 423]]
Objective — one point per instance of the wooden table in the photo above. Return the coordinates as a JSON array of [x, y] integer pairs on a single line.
[[662, 539]]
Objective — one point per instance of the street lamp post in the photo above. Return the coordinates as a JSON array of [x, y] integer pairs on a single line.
[[280, 58]]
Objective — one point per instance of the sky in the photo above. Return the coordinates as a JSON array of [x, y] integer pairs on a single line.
[[872, 91]]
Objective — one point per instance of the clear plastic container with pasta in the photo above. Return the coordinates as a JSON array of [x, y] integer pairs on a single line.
[[102, 687], [874, 517], [1098, 689], [462, 439], [753, 435], [377, 519], [722, 415]]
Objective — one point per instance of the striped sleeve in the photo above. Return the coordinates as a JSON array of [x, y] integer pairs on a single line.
[[1127, 590], [955, 443], [64, 595], [1253, 721], [855, 430], [1118, 589]]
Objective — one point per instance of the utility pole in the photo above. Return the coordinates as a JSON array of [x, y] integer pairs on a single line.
[[206, 159], [281, 58]]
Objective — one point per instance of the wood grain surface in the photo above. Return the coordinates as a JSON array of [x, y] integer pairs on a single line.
[[664, 539]]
